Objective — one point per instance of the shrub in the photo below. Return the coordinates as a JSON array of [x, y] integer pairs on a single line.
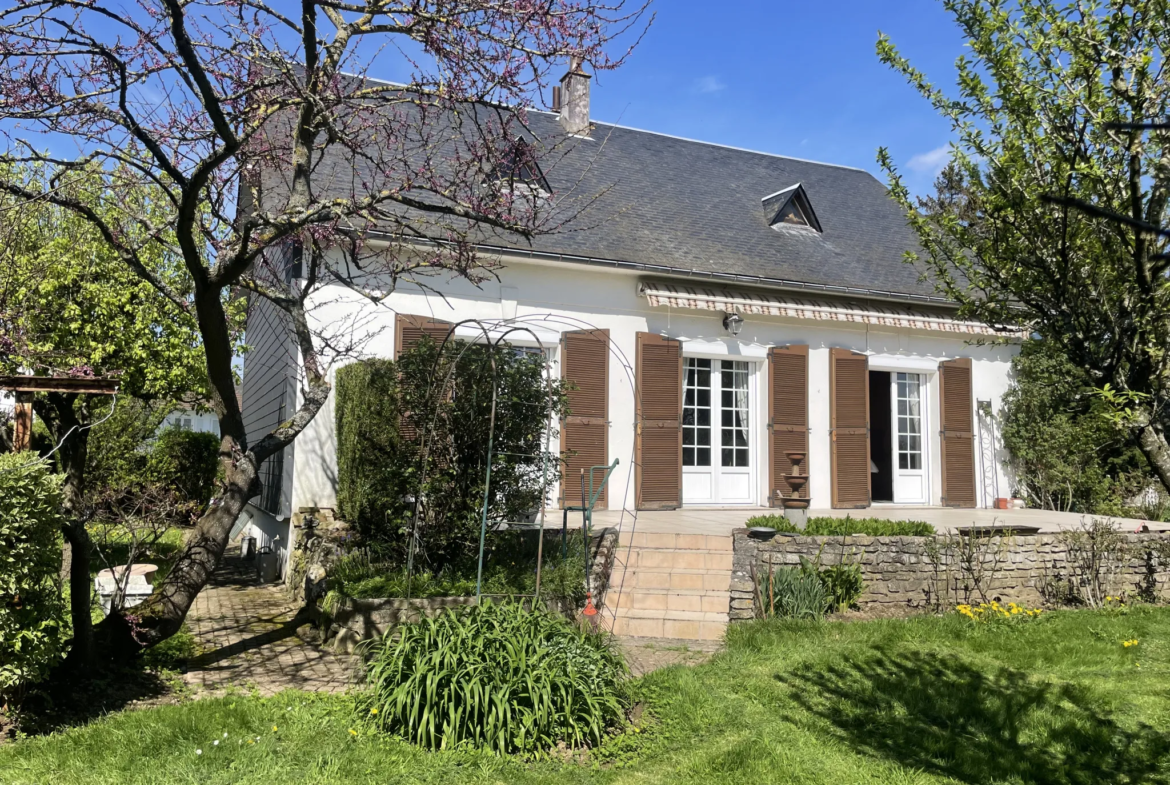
[[498, 677], [843, 585], [843, 527], [31, 609], [795, 593], [185, 462], [1065, 451], [384, 407]]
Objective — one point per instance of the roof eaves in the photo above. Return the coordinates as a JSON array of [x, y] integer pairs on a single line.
[[759, 280]]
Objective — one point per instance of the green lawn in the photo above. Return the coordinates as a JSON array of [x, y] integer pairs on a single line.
[[1057, 700]]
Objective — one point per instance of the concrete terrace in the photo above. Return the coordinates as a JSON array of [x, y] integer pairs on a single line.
[[721, 521]]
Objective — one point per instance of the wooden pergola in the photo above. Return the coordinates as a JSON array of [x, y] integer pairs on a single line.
[[25, 387]]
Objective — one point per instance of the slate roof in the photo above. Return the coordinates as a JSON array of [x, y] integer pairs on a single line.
[[676, 206], [696, 207]]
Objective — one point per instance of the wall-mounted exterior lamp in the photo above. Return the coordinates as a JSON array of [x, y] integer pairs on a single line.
[[733, 323]]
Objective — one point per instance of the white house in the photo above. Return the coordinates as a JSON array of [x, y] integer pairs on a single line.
[[732, 307]]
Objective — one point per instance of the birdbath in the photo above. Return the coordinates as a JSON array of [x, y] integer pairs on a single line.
[[137, 585], [795, 508]]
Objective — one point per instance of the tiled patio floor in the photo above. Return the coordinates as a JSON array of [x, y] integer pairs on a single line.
[[248, 638]]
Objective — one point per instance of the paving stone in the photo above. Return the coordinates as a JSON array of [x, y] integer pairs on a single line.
[[249, 637]]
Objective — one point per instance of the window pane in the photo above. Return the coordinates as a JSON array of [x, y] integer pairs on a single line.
[[688, 436], [704, 397], [728, 456], [704, 437], [688, 456], [704, 456], [727, 418], [903, 442], [903, 460], [704, 416], [728, 437], [742, 457]]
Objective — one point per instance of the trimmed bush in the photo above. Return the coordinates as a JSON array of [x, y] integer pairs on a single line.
[[31, 608], [383, 410], [843, 527], [186, 462], [497, 677]]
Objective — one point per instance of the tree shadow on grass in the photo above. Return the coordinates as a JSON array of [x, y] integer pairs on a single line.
[[977, 725]]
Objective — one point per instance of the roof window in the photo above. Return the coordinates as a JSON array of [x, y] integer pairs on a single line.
[[790, 207]]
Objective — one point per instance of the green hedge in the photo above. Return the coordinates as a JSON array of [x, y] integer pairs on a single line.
[[841, 527], [31, 608], [383, 408]]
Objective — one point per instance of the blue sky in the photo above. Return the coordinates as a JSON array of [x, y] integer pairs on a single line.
[[797, 79]]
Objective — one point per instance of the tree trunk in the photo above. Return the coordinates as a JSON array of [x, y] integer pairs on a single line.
[[1153, 445], [124, 634], [67, 429]]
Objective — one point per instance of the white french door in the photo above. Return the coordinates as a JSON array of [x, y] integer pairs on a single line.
[[910, 481], [717, 440]]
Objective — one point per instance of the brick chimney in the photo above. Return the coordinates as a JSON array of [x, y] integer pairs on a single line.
[[573, 99]]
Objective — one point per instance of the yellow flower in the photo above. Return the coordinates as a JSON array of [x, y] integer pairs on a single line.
[[274, 729], [352, 732], [374, 711]]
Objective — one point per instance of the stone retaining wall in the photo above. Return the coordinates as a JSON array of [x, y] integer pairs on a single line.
[[359, 620], [909, 574]]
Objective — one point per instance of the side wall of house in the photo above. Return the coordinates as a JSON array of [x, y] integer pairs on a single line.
[[269, 395], [551, 298]]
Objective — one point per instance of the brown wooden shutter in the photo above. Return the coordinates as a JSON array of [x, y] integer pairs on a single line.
[[22, 424], [957, 433], [585, 431], [849, 427], [787, 416], [658, 413], [409, 329]]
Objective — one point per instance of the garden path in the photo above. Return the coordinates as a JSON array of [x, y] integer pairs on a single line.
[[249, 637]]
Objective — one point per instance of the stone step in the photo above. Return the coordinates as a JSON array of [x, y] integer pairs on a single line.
[[651, 600], [635, 613], [674, 558], [678, 629], [673, 579], [701, 542]]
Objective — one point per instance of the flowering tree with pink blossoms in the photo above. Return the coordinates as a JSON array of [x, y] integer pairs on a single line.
[[267, 144]]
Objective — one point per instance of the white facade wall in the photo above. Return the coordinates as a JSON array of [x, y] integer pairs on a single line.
[[554, 297], [198, 422]]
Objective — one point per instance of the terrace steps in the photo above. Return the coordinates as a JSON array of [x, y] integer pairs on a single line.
[[674, 586]]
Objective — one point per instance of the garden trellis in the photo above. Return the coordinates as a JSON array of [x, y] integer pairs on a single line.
[[493, 334]]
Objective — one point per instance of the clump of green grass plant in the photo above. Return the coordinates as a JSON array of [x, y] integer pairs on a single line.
[[498, 677]]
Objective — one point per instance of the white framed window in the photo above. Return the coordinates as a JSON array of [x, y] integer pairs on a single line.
[[697, 412], [909, 417]]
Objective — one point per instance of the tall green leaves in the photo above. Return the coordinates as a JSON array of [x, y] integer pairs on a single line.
[[1043, 118], [31, 610], [497, 677]]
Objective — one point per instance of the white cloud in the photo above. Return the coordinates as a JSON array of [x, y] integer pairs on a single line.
[[709, 84], [932, 162]]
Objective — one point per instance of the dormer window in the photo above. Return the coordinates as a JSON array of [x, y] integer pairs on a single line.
[[790, 208], [519, 172]]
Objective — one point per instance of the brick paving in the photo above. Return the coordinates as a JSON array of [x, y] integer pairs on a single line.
[[249, 637]]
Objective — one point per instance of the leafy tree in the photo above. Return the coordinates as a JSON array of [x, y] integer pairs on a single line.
[[1066, 452], [389, 413], [72, 308], [249, 105], [1046, 118]]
